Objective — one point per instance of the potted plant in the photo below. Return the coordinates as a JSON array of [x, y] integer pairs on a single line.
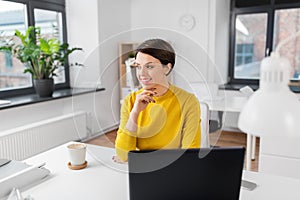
[[41, 56]]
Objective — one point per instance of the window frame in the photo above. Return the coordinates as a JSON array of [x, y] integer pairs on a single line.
[[270, 11], [51, 5]]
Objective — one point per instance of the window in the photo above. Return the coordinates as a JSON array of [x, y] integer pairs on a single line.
[[243, 54], [19, 14], [13, 16], [51, 26], [250, 41], [8, 60], [257, 27], [282, 30]]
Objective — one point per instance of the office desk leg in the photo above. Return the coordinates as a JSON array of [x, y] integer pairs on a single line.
[[248, 152], [253, 147]]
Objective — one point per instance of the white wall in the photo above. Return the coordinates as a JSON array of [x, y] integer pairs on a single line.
[[197, 49], [152, 19], [83, 31], [19, 116], [114, 23], [103, 25], [219, 40], [99, 28]]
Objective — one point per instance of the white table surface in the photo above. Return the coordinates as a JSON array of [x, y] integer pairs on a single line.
[[104, 179], [226, 103]]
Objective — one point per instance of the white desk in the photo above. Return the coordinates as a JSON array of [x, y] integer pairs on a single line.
[[103, 179], [226, 103], [234, 104]]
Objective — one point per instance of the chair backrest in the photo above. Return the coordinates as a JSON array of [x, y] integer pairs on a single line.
[[204, 125]]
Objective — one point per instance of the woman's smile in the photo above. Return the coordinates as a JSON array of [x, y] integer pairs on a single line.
[[145, 80]]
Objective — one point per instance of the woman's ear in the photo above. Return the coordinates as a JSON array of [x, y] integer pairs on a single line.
[[168, 69]]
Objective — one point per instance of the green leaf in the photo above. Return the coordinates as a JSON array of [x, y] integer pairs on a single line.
[[21, 36], [54, 45], [5, 48], [45, 47]]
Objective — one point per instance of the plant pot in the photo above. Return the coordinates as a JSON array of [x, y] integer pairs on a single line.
[[44, 87]]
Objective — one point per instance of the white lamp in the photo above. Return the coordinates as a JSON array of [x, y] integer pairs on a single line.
[[273, 110]]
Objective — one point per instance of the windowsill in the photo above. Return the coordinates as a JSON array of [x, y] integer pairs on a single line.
[[34, 98]]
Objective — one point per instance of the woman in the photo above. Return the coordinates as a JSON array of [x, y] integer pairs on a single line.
[[160, 115]]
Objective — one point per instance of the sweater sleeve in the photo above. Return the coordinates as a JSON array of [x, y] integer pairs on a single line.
[[191, 136], [125, 141]]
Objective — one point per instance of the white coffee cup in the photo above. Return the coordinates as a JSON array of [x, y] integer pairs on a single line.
[[77, 153]]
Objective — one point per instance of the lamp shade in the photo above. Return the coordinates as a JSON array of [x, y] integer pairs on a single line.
[[273, 110]]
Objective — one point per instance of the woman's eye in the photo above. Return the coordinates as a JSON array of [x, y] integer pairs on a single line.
[[146, 66]]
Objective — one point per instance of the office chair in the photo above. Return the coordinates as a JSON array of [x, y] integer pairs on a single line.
[[204, 125], [216, 124], [204, 91]]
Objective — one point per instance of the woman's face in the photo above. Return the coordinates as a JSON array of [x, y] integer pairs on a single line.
[[150, 72]]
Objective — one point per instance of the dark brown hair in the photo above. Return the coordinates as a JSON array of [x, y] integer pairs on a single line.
[[158, 49]]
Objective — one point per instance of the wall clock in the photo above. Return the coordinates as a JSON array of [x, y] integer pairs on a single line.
[[187, 22]]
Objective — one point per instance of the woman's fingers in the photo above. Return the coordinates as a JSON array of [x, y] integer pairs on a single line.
[[146, 98], [143, 99], [117, 160], [150, 92]]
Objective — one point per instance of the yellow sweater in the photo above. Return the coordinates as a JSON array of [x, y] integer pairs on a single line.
[[173, 121]]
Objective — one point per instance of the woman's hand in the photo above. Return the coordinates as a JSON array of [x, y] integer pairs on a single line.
[[143, 99], [118, 160], [141, 102]]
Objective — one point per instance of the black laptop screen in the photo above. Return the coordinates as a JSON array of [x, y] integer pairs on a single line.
[[212, 173]]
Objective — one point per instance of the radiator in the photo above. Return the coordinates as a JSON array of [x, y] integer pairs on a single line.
[[25, 141]]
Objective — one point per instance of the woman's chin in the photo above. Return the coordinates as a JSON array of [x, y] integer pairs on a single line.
[[147, 86]]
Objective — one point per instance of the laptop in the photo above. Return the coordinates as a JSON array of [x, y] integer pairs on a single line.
[[186, 174]]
